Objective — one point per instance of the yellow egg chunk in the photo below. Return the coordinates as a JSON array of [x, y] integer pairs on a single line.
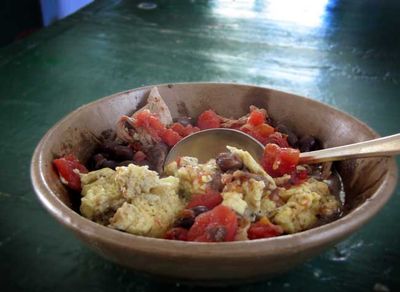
[[193, 176], [305, 203], [101, 196], [132, 199]]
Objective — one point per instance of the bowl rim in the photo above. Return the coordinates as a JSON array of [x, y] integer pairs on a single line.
[[292, 243]]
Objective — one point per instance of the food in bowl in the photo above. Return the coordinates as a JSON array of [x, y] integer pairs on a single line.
[[231, 197]]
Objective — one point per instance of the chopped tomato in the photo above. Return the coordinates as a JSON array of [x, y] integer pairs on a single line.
[[298, 177], [260, 132], [278, 139], [263, 229], [257, 117], [149, 121], [178, 127], [208, 120], [157, 130], [176, 233], [170, 137], [279, 161], [184, 131], [68, 168], [210, 199], [219, 224]]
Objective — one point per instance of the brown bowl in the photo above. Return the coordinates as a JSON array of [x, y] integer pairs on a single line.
[[368, 183]]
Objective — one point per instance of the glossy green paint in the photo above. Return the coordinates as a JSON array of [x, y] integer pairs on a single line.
[[344, 53]]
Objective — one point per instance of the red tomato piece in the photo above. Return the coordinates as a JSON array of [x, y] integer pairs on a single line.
[[218, 225], [279, 161], [208, 120], [210, 199], [263, 229], [179, 128], [182, 130], [145, 119], [170, 137], [142, 118], [176, 233], [298, 177], [68, 168], [257, 117], [260, 132], [190, 130], [278, 139]]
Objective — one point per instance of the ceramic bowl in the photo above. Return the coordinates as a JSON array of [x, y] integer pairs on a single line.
[[368, 183]]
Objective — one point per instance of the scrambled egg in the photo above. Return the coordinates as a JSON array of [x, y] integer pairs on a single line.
[[193, 177], [141, 202], [305, 203], [251, 164], [101, 196], [134, 199]]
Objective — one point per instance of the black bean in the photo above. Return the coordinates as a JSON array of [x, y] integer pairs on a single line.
[[292, 138], [184, 121], [308, 143], [98, 161], [184, 222], [122, 152], [157, 155], [228, 161], [186, 219], [270, 121], [109, 163], [108, 147], [199, 209]]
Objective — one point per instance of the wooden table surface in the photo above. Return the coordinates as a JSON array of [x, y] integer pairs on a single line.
[[344, 53]]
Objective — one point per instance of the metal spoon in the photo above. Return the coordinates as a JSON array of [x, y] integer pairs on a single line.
[[207, 144]]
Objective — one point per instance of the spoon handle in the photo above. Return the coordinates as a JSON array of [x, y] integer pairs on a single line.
[[385, 146]]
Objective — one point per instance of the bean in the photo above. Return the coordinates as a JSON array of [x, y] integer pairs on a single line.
[[186, 220], [308, 143], [292, 138], [98, 160], [108, 147], [228, 161], [188, 216], [199, 209], [109, 163], [123, 152], [157, 156]]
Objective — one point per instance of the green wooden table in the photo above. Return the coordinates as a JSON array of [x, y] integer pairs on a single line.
[[344, 53]]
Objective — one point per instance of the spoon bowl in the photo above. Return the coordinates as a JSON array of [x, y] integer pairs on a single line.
[[207, 144]]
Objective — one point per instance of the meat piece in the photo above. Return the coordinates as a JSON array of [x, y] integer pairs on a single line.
[[156, 156]]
